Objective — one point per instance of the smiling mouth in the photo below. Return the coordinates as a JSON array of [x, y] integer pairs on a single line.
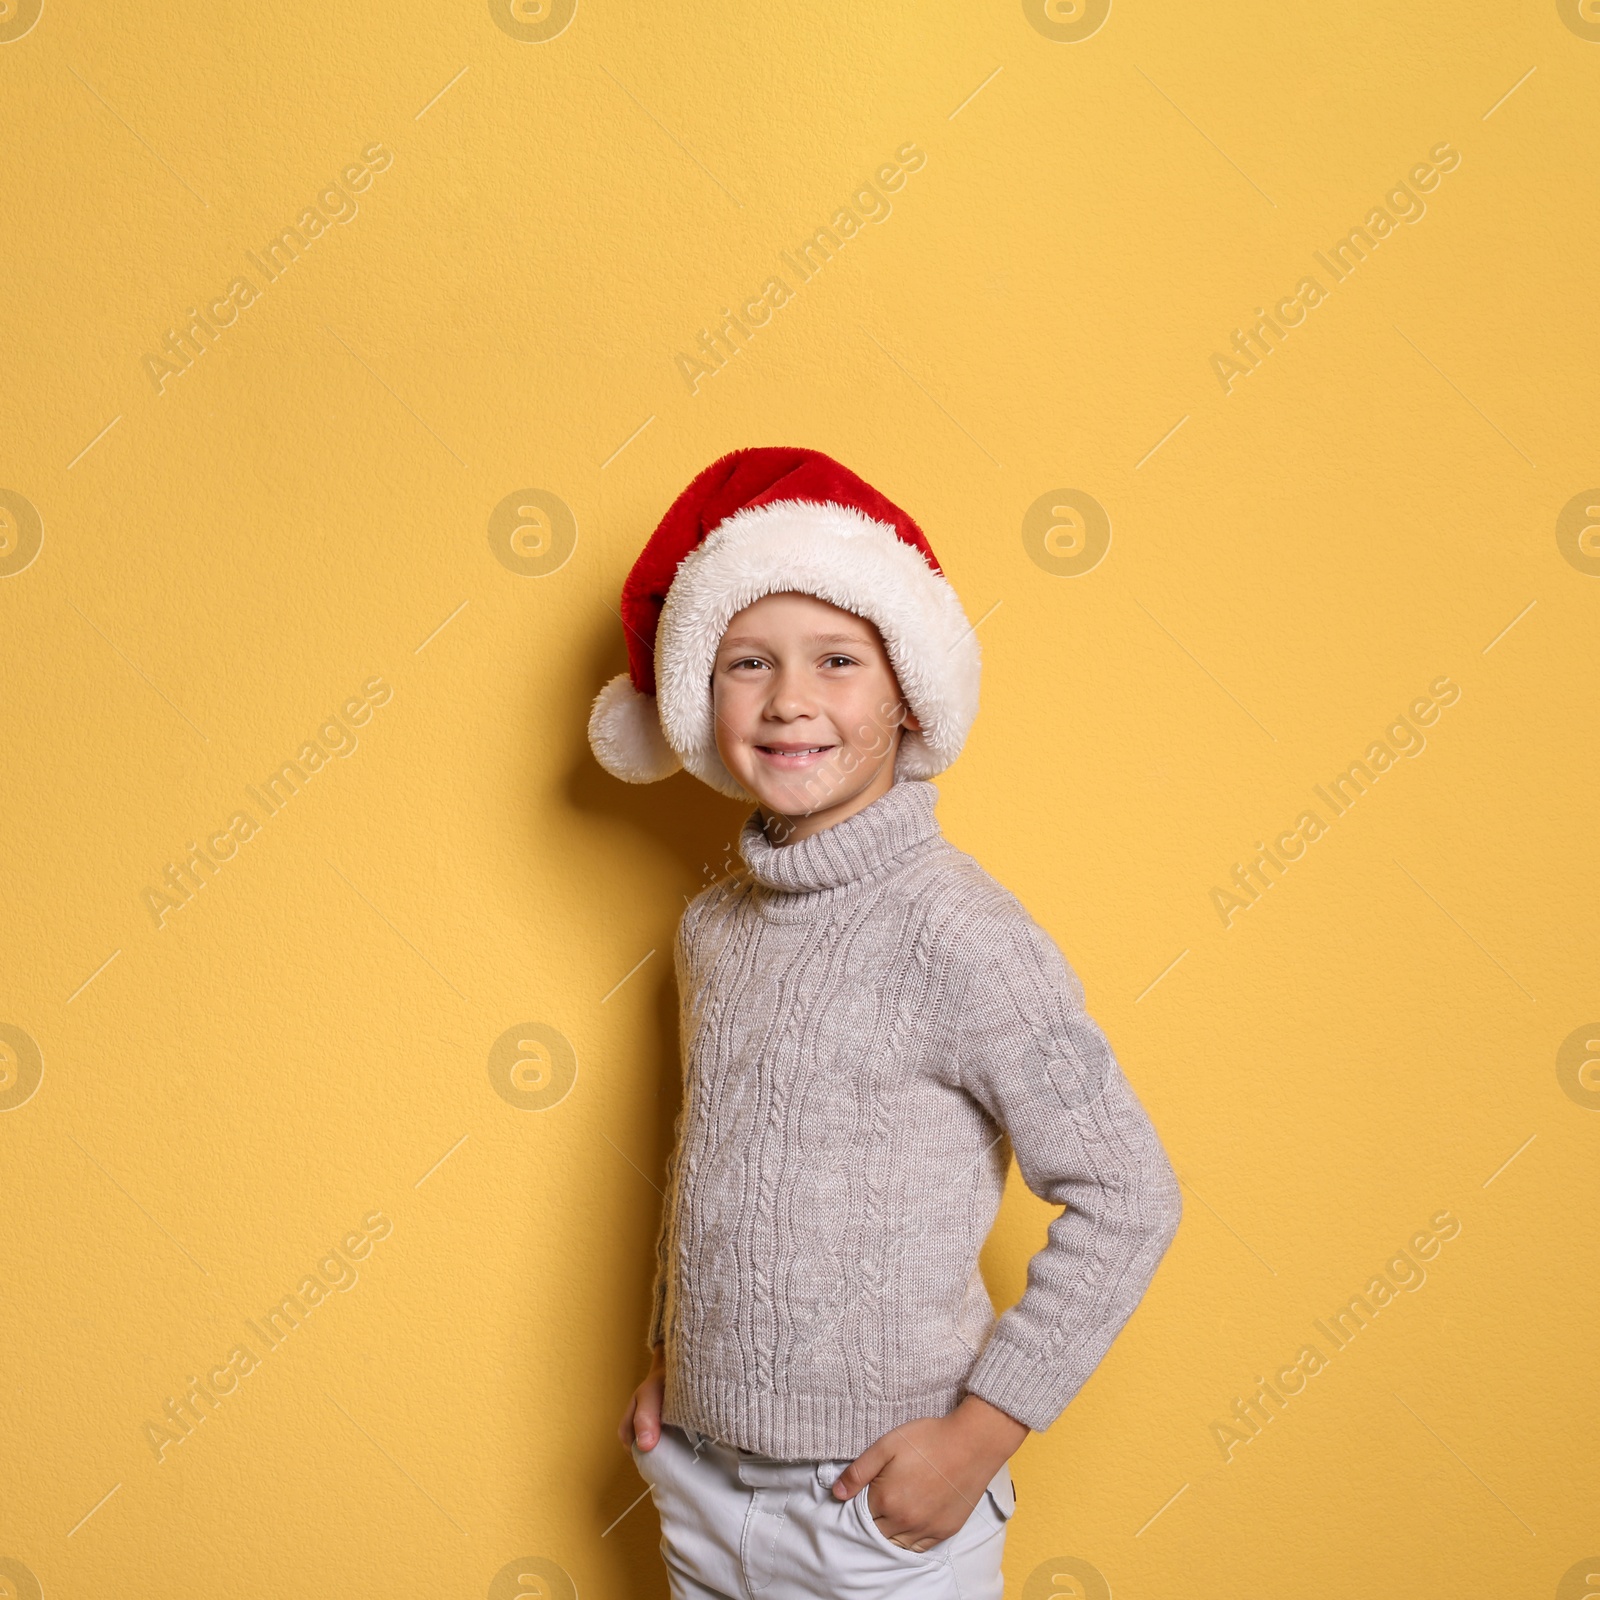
[[793, 754]]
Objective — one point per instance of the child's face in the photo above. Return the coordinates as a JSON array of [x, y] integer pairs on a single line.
[[808, 709]]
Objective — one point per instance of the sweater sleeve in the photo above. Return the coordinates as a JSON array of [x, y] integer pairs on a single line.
[[1032, 1056]]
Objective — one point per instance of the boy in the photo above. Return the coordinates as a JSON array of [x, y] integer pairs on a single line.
[[871, 1026]]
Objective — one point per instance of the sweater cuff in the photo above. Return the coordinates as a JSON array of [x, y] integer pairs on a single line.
[[1014, 1382]]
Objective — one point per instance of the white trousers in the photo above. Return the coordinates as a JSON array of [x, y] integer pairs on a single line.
[[740, 1526]]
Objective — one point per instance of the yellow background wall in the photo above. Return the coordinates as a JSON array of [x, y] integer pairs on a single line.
[[354, 1037]]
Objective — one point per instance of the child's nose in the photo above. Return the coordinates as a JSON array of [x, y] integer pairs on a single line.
[[788, 699]]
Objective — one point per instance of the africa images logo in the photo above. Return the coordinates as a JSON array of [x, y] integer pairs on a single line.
[[1401, 1274], [868, 203], [1250, 347], [337, 1272], [335, 737], [336, 203], [1402, 737]]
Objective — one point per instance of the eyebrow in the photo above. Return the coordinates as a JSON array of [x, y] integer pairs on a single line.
[[746, 640]]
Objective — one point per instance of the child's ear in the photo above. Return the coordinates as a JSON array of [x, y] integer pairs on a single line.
[[899, 712]]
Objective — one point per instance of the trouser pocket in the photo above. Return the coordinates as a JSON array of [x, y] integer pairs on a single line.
[[919, 1558], [650, 1462], [758, 1544]]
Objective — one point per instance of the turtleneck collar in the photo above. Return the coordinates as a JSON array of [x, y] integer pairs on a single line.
[[858, 848]]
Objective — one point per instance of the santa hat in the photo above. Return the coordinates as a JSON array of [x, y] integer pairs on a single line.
[[759, 522]]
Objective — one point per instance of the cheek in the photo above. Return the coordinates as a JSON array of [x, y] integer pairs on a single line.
[[734, 706], [862, 721]]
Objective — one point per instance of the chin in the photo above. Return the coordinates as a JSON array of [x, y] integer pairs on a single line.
[[792, 799], [803, 795]]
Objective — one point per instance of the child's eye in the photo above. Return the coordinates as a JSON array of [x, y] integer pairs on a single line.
[[847, 661]]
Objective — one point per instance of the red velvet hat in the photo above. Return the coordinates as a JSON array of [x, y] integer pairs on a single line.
[[758, 522]]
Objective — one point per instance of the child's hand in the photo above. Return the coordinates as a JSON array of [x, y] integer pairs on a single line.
[[641, 1422], [928, 1475]]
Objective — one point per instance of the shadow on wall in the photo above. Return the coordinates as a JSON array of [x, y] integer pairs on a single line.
[[681, 816], [690, 825]]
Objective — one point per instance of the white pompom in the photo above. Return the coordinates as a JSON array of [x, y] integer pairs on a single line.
[[625, 734]]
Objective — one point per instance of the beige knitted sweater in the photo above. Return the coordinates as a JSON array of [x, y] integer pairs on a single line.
[[871, 1026]]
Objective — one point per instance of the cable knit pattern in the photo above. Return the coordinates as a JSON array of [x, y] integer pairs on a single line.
[[871, 1028]]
